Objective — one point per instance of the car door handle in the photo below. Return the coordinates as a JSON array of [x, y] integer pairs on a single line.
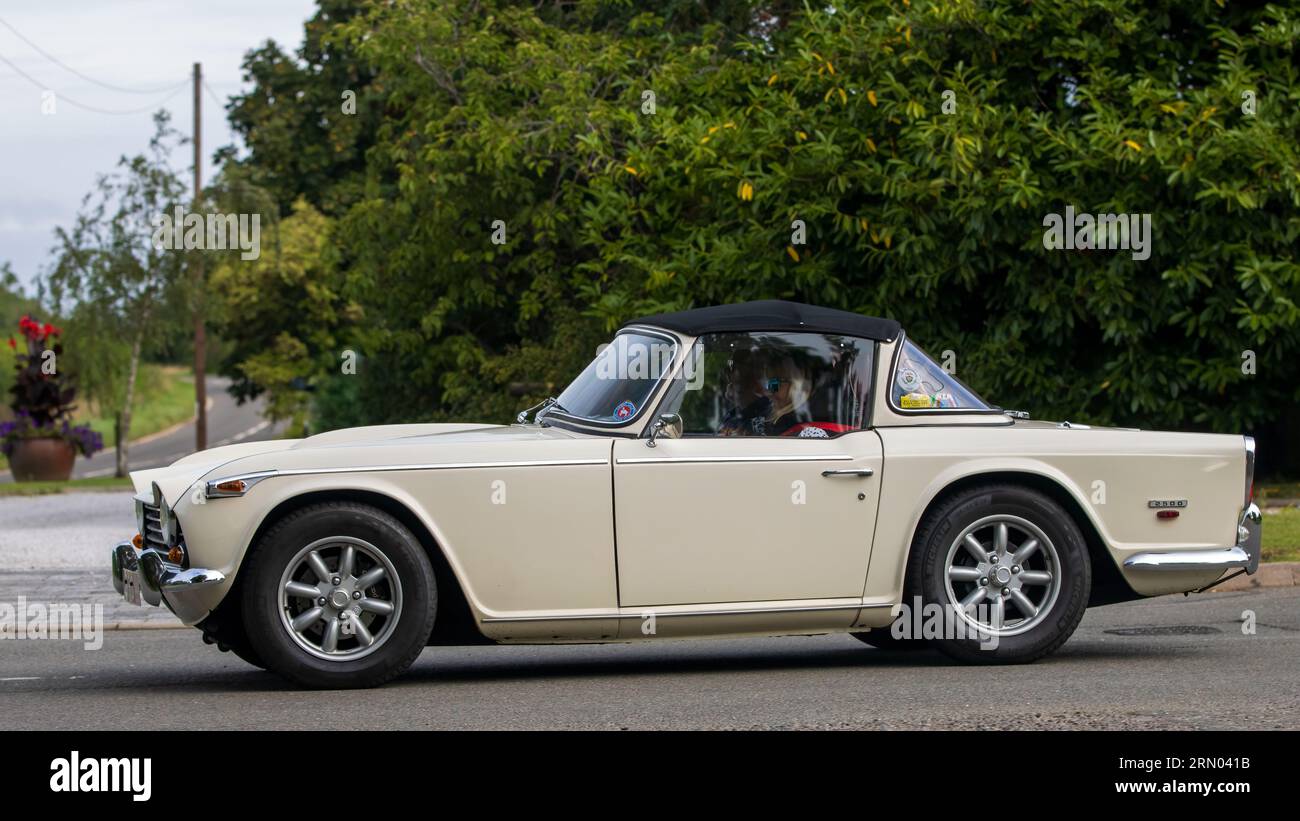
[[861, 473]]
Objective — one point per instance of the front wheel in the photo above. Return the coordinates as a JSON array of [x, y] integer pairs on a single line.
[[339, 595], [1009, 569]]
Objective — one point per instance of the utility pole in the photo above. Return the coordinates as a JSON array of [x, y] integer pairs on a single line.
[[200, 331]]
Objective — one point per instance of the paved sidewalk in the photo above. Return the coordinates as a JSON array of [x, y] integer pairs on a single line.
[[56, 549], [85, 588], [1271, 574], [63, 531]]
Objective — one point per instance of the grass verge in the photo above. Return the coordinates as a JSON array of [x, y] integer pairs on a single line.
[[1282, 535], [45, 488], [164, 397]]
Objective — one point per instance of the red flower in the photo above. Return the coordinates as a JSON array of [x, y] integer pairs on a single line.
[[13, 344], [49, 329]]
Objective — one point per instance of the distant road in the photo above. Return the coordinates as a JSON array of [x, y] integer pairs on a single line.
[[228, 422]]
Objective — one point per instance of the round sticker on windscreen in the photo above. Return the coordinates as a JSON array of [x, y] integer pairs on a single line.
[[625, 410]]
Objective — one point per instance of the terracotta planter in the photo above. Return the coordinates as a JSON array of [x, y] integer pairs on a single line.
[[42, 460]]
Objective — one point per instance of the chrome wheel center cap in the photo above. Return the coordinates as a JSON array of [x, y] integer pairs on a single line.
[[339, 598]]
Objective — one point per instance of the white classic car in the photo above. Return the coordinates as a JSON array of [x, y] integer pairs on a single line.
[[759, 469]]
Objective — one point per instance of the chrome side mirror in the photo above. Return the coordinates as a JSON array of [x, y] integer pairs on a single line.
[[668, 424]]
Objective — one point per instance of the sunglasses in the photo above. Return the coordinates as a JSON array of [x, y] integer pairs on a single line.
[[773, 384]]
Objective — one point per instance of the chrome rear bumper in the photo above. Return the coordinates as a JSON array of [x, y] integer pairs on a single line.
[[1245, 554]]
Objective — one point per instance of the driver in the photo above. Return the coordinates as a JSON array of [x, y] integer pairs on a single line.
[[778, 397]]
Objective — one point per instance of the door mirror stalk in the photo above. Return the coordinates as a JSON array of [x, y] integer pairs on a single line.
[[668, 424]]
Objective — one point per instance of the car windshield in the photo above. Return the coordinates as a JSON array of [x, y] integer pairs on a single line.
[[921, 384], [614, 388]]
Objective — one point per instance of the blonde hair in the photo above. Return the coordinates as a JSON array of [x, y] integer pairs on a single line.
[[798, 395]]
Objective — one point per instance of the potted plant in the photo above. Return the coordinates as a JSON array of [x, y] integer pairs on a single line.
[[41, 442]]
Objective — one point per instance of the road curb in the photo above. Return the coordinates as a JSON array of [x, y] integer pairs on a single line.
[[144, 625], [1272, 574]]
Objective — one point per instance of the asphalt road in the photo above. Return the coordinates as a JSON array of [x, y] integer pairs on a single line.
[[228, 423], [1195, 670]]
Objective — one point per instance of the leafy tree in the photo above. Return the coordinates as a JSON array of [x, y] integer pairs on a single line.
[[309, 118], [277, 314], [920, 144], [124, 288]]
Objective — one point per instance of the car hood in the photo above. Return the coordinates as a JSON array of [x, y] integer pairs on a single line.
[[418, 444]]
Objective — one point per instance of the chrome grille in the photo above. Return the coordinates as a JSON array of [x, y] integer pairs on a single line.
[[153, 532]]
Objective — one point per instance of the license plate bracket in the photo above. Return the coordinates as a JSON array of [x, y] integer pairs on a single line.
[[131, 587]]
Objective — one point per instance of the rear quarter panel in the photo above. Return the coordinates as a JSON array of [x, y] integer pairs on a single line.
[[1111, 474]]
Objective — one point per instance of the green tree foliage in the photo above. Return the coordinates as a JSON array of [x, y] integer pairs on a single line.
[[119, 288], [920, 143], [277, 314], [301, 141]]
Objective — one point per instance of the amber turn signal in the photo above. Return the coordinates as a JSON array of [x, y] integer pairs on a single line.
[[231, 486], [175, 555], [138, 541]]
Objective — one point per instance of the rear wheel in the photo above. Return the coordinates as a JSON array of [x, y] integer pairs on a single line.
[[1008, 567], [339, 595]]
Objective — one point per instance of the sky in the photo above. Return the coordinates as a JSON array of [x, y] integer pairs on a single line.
[[49, 161]]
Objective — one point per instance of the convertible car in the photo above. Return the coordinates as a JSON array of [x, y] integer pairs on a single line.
[[760, 469]]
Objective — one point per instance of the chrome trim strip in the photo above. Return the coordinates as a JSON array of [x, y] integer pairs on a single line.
[[268, 474], [1220, 558], [698, 459], [662, 614], [446, 466], [1250, 466]]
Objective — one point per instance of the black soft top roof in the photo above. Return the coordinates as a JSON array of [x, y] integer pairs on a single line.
[[772, 315]]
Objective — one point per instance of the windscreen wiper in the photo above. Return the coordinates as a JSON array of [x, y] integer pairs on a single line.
[[540, 408]]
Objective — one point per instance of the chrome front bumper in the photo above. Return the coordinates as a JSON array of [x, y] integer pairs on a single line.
[[1244, 554], [158, 580]]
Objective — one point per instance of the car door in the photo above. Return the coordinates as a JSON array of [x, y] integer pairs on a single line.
[[727, 513]]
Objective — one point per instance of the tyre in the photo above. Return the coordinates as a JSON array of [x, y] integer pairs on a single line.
[[339, 595], [1009, 569]]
